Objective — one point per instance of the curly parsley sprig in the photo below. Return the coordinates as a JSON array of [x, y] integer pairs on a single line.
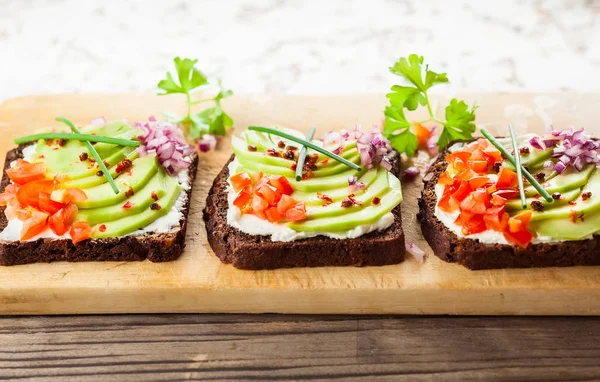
[[213, 120], [459, 118]]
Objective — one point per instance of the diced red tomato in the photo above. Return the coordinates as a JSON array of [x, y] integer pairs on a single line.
[[462, 192], [491, 189], [515, 225], [259, 204], [33, 224], [281, 183], [240, 180], [445, 179], [24, 172], [48, 205], [507, 194], [29, 193], [459, 165], [9, 194], [273, 215], [480, 195], [80, 231], [462, 155], [493, 155], [285, 203], [478, 181], [473, 224], [423, 134], [447, 203], [242, 200], [466, 175], [497, 200], [521, 238], [60, 222], [525, 217], [473, 206], [269, 193], [496, 219], [297, 213], [479, 166], [507, 179], [77, 195]]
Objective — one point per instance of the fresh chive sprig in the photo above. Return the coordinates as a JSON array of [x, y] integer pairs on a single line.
[[513, 137], [302, 157], [94, 153], [78, 137], [310, 145], [512, 161]]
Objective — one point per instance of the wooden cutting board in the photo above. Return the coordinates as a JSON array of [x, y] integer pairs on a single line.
[[198, 282]]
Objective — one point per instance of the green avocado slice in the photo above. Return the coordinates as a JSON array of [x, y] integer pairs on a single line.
[[568, 180], [325, 183], [240, 148], [132, 223], [336, 194], [139, 203], [355, 217], [568, 196], [587, 207], [142, 170], [378, 188], [95, 180]]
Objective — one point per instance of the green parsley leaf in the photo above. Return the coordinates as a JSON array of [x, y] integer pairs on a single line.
[[189, 78], [459, 119], [405, 142], [212, 120], [459, 123], [411, 69]]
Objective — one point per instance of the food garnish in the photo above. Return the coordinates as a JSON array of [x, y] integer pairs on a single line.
[[78, 137], [310, 145], [459, 118], [511, 159], [211, 121], [518, 165], [166, 141], [571, 147], [94, 153], [302, 157]]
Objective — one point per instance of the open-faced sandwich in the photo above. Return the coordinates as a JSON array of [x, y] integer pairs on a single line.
[[527, 201], [286, 200], [107, 191]]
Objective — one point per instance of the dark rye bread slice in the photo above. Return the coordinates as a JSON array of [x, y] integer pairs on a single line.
[[158, 247], [476, 255], [259, 252]]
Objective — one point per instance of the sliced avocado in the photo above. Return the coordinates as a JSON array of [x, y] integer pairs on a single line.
[[379, 188], [368, 215], [142, 170], [311, 198], [240, 148], [254, 167], [139, 203], [568, 180], [116, 129], [95, 180], [325, 183], [567, 228], [132, 223], [515, 204], [334, 169], [564, 213]]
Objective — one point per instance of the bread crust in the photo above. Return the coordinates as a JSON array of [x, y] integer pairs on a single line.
[[256, 252], [476, 255], [154, 247]]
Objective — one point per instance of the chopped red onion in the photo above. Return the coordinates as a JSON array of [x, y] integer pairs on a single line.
[[354, 184], [99, 122], [573, 148], [166, 141], [207, 143], [548, 164], [536, 143], [373, 148], [417, 252], [411, 171]]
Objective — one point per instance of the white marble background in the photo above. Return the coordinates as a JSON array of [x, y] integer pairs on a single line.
[[284, 46]]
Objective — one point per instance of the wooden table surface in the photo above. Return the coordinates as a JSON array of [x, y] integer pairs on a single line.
[[280, 347]]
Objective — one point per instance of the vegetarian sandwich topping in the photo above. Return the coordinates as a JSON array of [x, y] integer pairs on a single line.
[[553, 198], [332, 185]]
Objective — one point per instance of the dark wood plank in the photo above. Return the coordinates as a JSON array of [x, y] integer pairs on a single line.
[[273, 347]]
